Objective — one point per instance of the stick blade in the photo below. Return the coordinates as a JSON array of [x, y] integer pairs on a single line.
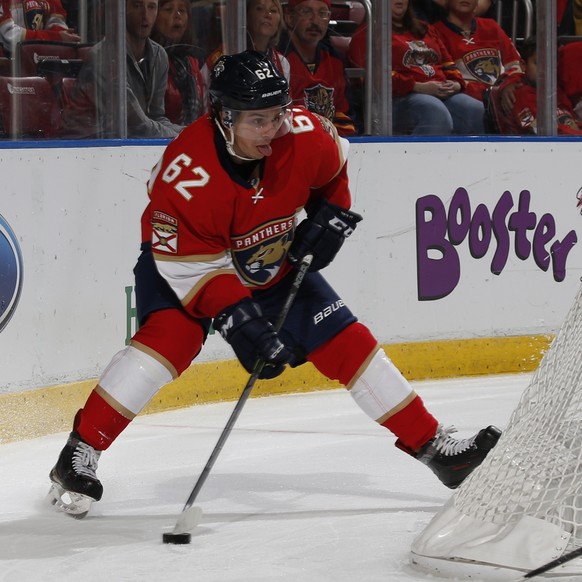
[[188, 520]]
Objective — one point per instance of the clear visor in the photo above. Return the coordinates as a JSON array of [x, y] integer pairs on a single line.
[[260, 123]]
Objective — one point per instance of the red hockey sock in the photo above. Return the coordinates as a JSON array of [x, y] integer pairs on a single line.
[[98, 423], [414, 425]]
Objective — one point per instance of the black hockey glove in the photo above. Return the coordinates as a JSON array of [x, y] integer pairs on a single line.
[[322, 234], [252, 336]]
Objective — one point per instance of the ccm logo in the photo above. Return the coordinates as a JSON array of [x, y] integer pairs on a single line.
[[319, 317]]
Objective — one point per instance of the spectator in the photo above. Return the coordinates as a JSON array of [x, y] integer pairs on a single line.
[[570, 74], [435, 10], [184, 100], [426, 85], [479, 46], [522, 118], [38, 20], [569, 17], [318, 79], [147, 78], [264, 27]]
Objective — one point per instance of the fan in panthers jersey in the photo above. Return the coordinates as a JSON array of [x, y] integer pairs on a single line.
[[220, 242], [33, 20], [318, 79], [479, 46]]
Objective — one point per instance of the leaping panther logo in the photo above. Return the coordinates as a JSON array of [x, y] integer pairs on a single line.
[[268, 255], [319, 99]]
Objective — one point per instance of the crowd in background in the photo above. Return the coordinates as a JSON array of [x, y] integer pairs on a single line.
[[455, 67]]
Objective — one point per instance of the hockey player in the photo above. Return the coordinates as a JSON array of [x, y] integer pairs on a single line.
[[219, 242]]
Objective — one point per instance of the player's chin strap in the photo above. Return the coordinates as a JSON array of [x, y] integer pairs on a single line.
[[230, 143]]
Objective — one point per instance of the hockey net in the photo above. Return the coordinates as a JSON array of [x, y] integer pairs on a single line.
[[523, 506]]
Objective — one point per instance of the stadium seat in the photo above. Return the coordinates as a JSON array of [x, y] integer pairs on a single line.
[[42, 58], [6, 67], [27, 108]]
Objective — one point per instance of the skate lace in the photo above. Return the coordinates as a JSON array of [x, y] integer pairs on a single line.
[[449, 446], [85, 460]]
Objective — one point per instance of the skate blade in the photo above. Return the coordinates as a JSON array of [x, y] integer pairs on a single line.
[[73, 504]]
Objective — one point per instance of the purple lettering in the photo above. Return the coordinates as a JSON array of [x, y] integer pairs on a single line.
[[438, 264]]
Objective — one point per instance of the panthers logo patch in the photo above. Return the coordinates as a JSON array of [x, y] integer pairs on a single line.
[[319, 99], [420, 56], [484, 65], [258, 255]]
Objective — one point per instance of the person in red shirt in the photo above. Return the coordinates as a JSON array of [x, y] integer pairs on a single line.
[[479, 46], [184, 100], [33, 20], [522, 119], [427, 88], [570, 74], [318, 78], [220, 241]]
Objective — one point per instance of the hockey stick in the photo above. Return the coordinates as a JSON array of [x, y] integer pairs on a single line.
[[554, 563], [190, 516]]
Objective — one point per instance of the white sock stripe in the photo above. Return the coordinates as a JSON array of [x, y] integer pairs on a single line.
[[380, 387], [133, 377]]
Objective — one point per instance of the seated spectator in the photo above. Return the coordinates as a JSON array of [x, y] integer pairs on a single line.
[[479, 46], [569, 17], [147, 77], [435, 10], [38, 20], [184, 100], [570, 74], [318, 79], [427, 87], [522, 118], [264, 27]]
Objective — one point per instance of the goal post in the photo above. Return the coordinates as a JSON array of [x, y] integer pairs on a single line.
[[522, 507]]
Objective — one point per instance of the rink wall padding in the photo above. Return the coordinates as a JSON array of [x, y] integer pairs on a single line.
[[38, 412]]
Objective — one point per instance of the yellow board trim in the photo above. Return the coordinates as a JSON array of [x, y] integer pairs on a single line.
[[43, 411]]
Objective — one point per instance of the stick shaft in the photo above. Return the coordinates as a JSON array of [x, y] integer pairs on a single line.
[[303, 268], [554, 563]]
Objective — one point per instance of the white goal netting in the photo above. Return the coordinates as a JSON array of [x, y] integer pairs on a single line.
[[523, 506]]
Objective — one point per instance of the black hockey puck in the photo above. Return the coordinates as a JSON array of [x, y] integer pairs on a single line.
[[176, 538]]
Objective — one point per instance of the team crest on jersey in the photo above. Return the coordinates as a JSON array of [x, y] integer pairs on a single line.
[[319, 99], [421, 56], [484, 65], [258, 255], [164, 233], [35, 13]]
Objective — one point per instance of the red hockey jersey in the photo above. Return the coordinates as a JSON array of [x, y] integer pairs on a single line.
[[523, 117], [322, 87], [33, 17], [32, 14], [214, 235], [482, 56]]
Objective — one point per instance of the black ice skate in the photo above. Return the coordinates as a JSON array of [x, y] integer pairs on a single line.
[[74, 482], [454, 460]]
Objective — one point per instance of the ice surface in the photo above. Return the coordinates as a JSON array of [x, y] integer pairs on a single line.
[[306, 489]]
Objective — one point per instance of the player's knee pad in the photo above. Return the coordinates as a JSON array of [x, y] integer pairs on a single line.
[[133, 377], [379, 387]]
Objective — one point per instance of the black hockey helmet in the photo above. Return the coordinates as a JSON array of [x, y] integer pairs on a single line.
[[247, 81]]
